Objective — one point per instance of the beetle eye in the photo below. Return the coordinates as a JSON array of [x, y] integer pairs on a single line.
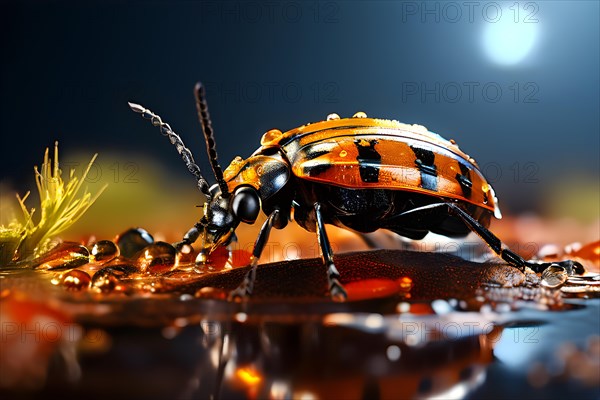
[[245, 204]]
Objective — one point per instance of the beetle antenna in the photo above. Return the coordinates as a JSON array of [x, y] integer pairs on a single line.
[[211, 147], [186, 154]]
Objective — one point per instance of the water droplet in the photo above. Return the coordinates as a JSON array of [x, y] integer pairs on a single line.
[[360, 114], [222, 259], [108, 280], [75, 280], [132, 241], [240, 258], [66, 255], [201, 260], [156, 258], [104, 250], [332, 116], [185, 255], [554, 276], [269, 136]]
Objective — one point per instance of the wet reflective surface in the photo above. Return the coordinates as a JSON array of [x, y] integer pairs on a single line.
[[417, 325]]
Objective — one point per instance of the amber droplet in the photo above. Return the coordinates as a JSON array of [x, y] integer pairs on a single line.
[[132, 241], [211, 293], [107, 280], [65, 255], [216, 261], [185, 255], [104, 250], [240, 258], [270, 136], [75, 280], [156, 258]]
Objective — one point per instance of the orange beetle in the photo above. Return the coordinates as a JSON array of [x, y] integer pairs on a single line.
[[358, 173]]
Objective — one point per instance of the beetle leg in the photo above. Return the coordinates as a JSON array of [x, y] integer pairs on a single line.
[[506, 254], [245, 289], [190, 237], [336, 290]]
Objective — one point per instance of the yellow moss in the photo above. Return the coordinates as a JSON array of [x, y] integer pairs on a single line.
[[61, 205]]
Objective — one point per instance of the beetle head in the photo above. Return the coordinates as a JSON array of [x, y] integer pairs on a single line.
[[224, 212]]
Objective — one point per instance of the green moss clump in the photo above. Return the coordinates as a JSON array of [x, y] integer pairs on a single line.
[[61, 205]]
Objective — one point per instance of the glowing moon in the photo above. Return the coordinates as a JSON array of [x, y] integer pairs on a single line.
[[507, 42]]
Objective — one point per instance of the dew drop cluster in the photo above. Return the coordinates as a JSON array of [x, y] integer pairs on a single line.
[[131, 263]]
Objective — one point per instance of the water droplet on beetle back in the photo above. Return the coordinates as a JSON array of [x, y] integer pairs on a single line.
[[133, 240]]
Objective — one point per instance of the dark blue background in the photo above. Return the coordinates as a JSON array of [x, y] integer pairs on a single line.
[[68, 70]]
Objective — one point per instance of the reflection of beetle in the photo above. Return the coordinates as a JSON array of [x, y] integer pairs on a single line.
[[358, 173]]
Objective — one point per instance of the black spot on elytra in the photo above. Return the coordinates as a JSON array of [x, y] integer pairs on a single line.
[[426, 163], [464, 179], [369, 160], [315, 169], [311, 153]]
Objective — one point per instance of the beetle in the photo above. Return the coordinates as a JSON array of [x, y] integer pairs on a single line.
[[358, 173]]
